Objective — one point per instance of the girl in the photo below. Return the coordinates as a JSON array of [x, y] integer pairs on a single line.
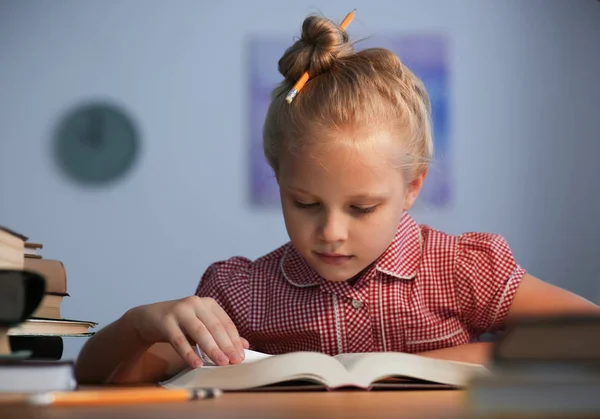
[[350, 152]]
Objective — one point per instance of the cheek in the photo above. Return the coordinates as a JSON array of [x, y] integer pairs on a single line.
[[297, 226], [380, 230]]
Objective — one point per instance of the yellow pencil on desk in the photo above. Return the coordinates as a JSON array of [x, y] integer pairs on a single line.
[[121, 396]]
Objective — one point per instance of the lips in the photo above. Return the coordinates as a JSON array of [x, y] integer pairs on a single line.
[[333, 258]]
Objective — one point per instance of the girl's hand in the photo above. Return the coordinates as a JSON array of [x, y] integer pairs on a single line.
[[188, 321]]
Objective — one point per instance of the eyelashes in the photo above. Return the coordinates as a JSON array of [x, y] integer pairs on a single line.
[[354, 208], [365, 210], [304, 206]]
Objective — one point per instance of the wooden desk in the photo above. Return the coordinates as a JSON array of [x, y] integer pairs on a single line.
[[311, 405]]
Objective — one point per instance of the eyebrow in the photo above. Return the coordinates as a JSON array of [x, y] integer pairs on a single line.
[[357, 197]]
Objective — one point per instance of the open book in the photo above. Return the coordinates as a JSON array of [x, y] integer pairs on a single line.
[[360, 370]]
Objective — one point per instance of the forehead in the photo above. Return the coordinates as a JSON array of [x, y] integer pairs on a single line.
[[346, 166]]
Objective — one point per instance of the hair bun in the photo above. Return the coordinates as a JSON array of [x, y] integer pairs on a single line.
[[322, 42]]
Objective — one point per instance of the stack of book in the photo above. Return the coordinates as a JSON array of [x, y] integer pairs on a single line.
[[32, 326], [542, 367]]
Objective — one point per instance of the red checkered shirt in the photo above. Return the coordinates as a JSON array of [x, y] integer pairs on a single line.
[[429, 290]]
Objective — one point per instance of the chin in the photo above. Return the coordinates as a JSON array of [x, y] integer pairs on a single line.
[[332, 273], [336, 275]]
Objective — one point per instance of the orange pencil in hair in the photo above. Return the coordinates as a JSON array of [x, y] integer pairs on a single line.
[[120, 396], [304, 78], [347, 20]]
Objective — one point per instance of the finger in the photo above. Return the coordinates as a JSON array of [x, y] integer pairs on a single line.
[[182, 346], [245, 343], [206, 339], [232, 331], [221, 328], [222, 336]]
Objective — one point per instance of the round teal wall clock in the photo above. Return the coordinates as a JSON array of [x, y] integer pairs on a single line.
[[96, 143]]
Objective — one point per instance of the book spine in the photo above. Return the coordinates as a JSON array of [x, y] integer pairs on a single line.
[[54, 272], [48, 348]]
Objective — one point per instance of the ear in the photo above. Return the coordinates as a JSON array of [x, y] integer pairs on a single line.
[[413, 189]]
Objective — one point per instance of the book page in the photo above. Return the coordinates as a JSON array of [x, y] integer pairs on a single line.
[[310, 366], [251, 356], [367, 368]]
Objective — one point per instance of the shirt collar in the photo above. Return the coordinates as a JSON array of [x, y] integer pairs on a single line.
[[400, 260], [296, 270]]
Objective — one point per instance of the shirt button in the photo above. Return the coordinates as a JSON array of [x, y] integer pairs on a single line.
[[357, 304]]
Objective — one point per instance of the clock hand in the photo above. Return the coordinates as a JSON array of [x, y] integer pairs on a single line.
[[95, 130]]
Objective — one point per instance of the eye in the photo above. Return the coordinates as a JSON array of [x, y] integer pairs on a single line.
[[364, 210], [298, 204]]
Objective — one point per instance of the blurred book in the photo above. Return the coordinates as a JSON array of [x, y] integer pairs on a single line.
[[18, 253], [56, 284], [53, 270], [32, 250], [49, 348], [12, 249], [35, 329], [52, 327], [547, 392], [24, 376], [545, 367], [20, 293], [31, 324], [49, 308]]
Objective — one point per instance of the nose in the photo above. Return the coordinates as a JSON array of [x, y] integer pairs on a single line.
[[333, 228]]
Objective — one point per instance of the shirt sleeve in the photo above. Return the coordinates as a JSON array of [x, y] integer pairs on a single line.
[[228, 283], [487, 278]]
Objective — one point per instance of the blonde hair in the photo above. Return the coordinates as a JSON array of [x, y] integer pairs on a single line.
[[346, 90]]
